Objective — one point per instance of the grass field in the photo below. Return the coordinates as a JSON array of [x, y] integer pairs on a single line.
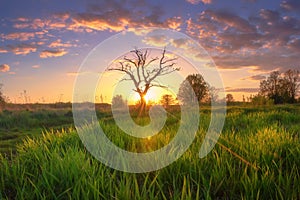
[[17, 124], [257, 157]]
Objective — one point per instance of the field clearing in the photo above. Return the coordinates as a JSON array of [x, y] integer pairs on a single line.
[[256, 157]]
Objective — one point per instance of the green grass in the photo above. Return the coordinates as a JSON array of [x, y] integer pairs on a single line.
[[256, 157], [18, 124]]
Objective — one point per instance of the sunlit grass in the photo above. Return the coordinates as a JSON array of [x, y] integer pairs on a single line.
[[17, 124], [256, 157]]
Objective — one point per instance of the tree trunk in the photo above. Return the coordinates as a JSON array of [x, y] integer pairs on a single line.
[[142, 106], [143, 103]]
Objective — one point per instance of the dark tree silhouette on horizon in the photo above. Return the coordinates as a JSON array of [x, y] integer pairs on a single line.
[[229, 98], [118, 101], [193, 84], [167, 100], [142, 71], [2, 98], [281, 87]]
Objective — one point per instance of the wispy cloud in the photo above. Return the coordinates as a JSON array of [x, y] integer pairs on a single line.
[[246, 90], [119, 21], [36, 66], [268, 40], [21, 49], [22, 36], [99, 22], [4, 68], [156, 40], [52, 53], [174, 23], [103, 16], [72, 73], [59, 43], [50, 23], [258, 77], [294, 44], [79, 73], [198, 1], [2, 50], [291, 5], [109, 15]]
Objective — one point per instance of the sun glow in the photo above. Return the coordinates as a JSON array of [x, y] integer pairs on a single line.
[[151, 96]]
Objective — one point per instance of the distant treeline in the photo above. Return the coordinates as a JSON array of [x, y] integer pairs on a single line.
[[48, 106], [279, 88]]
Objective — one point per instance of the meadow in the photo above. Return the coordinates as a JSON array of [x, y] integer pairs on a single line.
[[256, 157]]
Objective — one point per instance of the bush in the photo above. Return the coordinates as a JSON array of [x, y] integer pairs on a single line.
[[261, 100]]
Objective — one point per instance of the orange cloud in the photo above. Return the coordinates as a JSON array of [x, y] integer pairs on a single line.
[[87, 22], [77, 73], [174, 23], [3, 50], [267, 40], [156, 40], [109, 15], [72, 73], [246, 90], [4, 68], [52, 53], [21, 49], [59, 43], [258, 77], [181, 43], [22, 36], [22, 19], [42, 24], [198, 1], [97, 22], [36, 66]]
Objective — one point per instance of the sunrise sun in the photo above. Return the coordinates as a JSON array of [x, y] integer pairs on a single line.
[[150, 96]]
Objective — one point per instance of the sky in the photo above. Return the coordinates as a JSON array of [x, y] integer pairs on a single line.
[[44, 42]]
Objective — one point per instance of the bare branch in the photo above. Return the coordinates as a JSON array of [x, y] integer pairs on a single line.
[[125, 79], [169, 60], [164, 69], [136, 83], [151, 61], [130, 61], [158, 85]]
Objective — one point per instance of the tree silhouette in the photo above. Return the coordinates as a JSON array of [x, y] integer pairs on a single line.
[[167, 100], [271, 87], [193, 83], [2, 98], [118, 102], [213, 94], [281, 88], [291, 84], [143, 71], [229, 98]]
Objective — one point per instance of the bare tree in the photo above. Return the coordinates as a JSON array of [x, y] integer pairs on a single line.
[[143, 71]]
